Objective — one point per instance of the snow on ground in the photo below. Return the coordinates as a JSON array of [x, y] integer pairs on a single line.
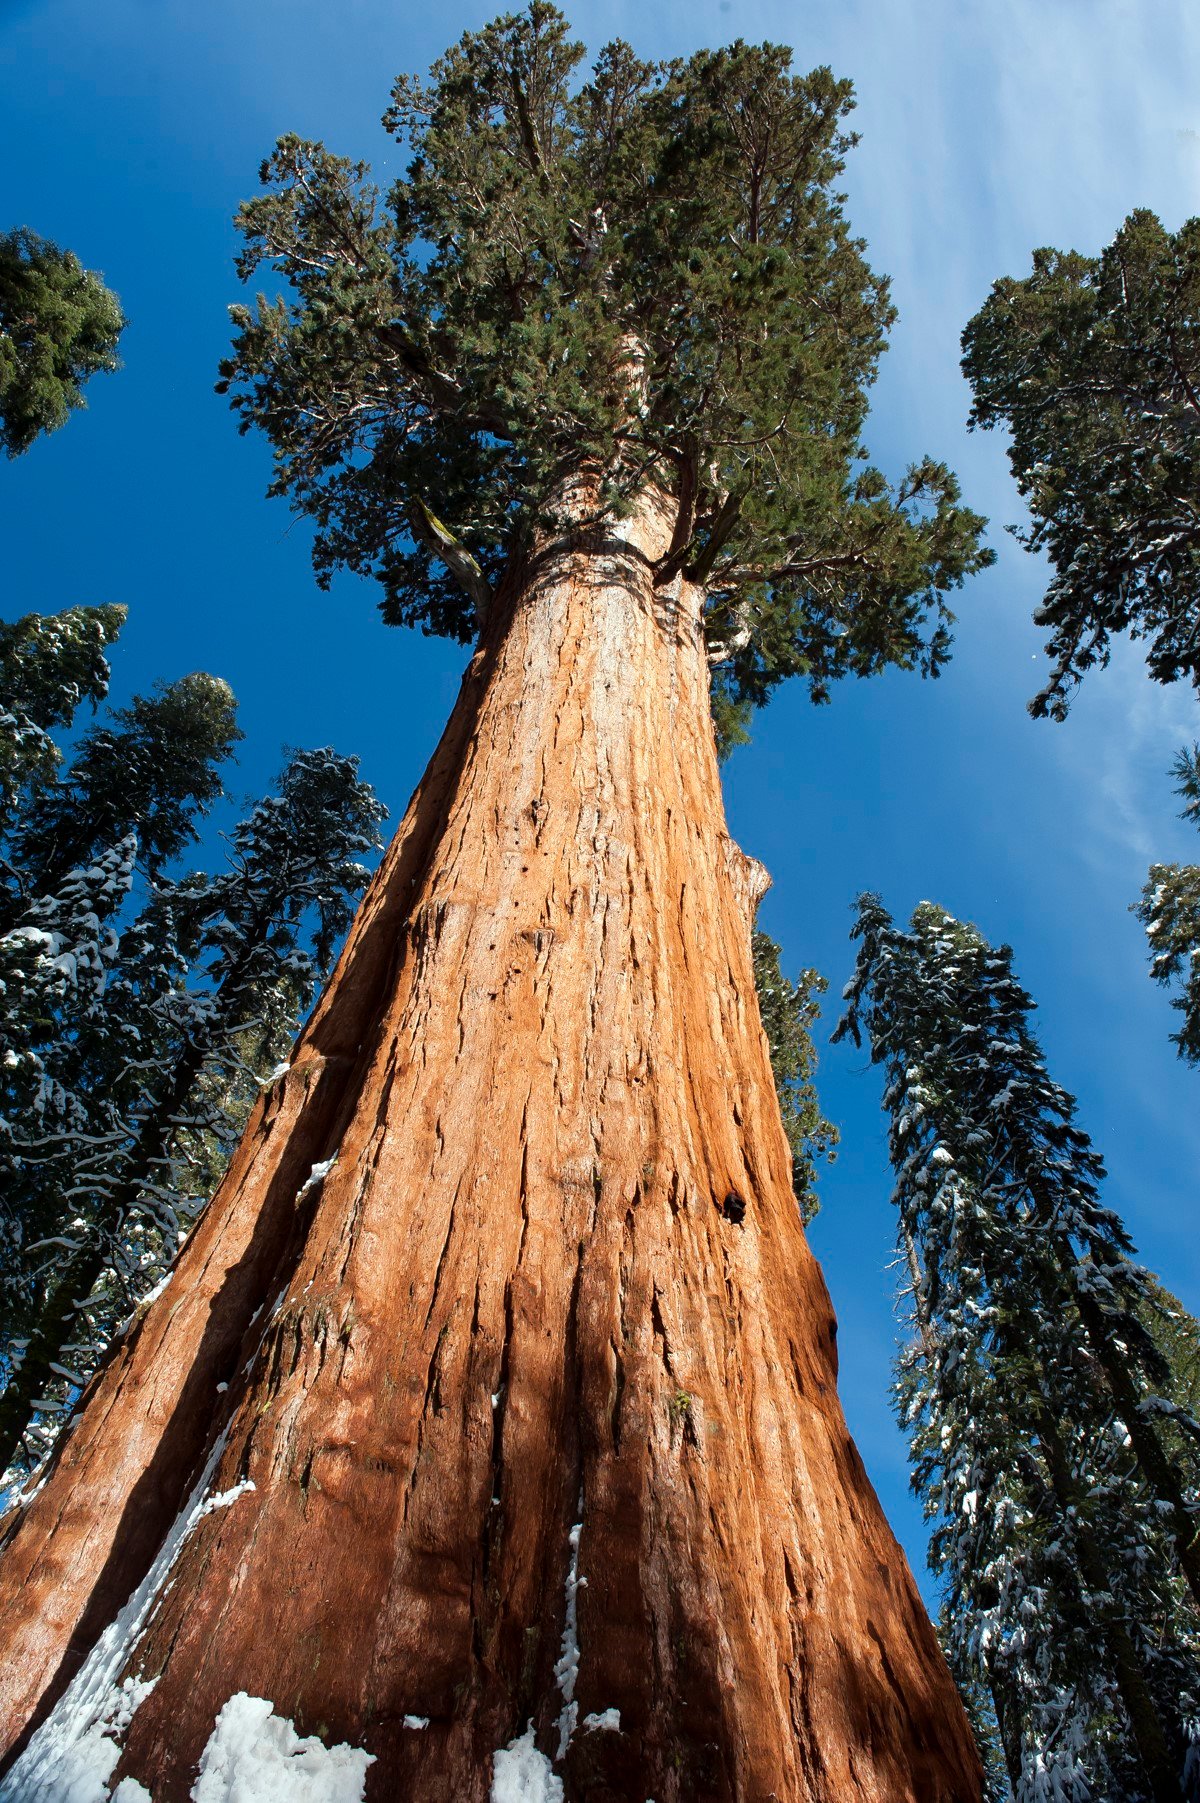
[[520, 1774], [256, 1756]]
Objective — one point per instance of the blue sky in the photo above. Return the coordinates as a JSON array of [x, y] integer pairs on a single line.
[[130, 131]]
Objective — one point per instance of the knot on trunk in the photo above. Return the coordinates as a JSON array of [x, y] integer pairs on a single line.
[[750, 879]]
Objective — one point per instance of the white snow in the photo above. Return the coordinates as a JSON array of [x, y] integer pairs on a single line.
[[130, 1791], [154, 1294], [73, 1754], [224, 1497], [256, 1756], [84, 1761], [566, 1671], [520, 1774], [317, 1175], [416, 1721], [604, 1718]]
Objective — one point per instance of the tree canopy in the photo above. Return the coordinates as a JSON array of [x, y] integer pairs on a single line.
[[49, 666], [1093, 364], [59, 324], [150, 772], [645, 269]]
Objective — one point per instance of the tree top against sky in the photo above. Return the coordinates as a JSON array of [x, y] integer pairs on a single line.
[[641, 268], [1093, 364], [59, 325]]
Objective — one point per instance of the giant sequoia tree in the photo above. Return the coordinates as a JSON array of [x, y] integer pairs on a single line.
[[493, 1400]]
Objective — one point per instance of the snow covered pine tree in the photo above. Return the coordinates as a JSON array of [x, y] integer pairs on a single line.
[[1033, 1385], [68, 1062], [146, 1065], [49, 666], [488, 1427]]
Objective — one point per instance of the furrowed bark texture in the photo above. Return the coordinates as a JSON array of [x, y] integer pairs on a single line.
[[555, 1276]]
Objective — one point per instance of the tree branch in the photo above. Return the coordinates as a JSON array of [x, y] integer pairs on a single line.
[[685, 519], [441, 543], [722, 527]]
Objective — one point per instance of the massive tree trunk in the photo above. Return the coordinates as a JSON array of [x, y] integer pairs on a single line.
[[554, 1276]]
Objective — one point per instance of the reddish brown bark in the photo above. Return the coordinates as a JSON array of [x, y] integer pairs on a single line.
[[555, 1275]]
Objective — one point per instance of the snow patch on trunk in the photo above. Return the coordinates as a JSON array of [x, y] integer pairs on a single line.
[[317, 1175], [566, 1671], [520, 1774], [256, 1756]]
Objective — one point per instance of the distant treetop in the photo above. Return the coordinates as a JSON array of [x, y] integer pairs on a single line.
[[1093, 364], [59, 324]]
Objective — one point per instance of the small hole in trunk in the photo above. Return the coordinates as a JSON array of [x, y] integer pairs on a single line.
[[734, 1209]]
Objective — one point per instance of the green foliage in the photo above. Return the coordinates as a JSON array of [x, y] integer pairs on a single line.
[[1093, 364], [643, 270], [138, 1013], [731, 715], [49, 666], [1050, 1435], [59, 324], [1176, 1334], [789, 1012], [1170, 912], [151, 772]]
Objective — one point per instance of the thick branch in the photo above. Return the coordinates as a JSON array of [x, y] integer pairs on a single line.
[[441, 391], [685, 520], [722, 528]]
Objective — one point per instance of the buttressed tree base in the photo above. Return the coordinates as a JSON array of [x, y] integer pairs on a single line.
[[488, 1423]]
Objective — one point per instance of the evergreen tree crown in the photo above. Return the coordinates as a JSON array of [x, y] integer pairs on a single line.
[[1093, 364], [644, 269], [59, 325]]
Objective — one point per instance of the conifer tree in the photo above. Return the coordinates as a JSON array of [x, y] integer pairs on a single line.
[[505, 1310], [789, 1011], [1093, 365], [150, 773], [148, 1064], [69, 856], [50, 664], [1031, 1385], [59, 325], [1170, 912]]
